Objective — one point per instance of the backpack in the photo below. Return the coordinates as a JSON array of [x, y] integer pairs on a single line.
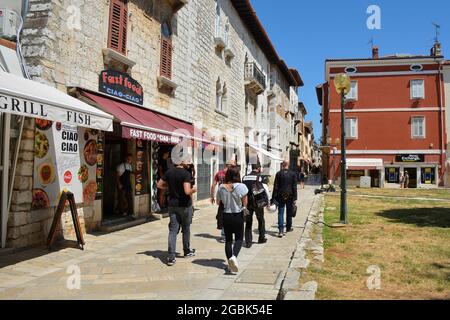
[[258, 195]]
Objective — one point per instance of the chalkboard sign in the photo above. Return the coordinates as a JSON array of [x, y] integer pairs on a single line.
[[66, 196]]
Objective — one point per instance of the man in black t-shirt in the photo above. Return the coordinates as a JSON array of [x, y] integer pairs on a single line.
[[178, 181], [285, 195]]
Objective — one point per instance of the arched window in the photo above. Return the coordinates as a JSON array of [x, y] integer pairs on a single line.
[[219, 95], [166, 50], [224, 103]]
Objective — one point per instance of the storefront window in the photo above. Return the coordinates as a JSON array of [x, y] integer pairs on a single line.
[[428, 175], [393, 175], [355, 174]]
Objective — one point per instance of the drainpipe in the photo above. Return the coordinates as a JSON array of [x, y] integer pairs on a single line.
[[441, 121]]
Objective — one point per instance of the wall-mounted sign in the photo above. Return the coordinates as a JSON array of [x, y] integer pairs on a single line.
[[410, 158], [132, 133], [121, 85]]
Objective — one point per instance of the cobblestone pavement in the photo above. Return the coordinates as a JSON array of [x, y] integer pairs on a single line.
[[130, 264]]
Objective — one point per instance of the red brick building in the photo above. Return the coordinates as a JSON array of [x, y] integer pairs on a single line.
[[395, 119]]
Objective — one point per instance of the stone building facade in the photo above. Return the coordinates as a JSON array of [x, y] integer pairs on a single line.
[[212, 86]]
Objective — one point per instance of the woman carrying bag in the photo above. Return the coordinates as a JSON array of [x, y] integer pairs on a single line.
[[233, 195]]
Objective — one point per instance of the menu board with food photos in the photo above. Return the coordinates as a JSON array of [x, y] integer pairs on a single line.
[[56, 162], [66, 158], [100, 165], [91, 159], [140, 165]]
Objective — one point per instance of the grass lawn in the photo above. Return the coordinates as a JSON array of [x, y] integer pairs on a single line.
[[412, 193], [409, 240]]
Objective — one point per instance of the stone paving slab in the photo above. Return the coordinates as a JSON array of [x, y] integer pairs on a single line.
[[130, 264]]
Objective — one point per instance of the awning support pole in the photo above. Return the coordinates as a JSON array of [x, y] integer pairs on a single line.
[[5, 176]]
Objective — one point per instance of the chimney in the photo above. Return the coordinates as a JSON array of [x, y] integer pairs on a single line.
[[436, 51], [375, 53]]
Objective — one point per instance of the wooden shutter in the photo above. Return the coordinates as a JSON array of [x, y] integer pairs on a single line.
[[166, 57], [118, 22]]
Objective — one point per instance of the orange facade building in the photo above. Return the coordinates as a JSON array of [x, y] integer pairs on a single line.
[[395, 120]]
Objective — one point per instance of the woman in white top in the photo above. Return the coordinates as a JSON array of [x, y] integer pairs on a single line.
[[233, 195]]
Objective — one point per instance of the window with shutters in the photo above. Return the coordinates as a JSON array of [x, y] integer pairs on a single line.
[[166, 51], [417, 89], [418, 127], [118, 23]]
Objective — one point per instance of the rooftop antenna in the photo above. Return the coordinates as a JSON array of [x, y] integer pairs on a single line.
[[371, 42], [438, 30]]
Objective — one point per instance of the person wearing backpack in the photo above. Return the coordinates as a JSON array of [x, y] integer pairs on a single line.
[[257, 201], [233, 195], [285, 195]]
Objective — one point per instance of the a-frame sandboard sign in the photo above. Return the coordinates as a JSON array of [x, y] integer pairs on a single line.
[[66, 196]]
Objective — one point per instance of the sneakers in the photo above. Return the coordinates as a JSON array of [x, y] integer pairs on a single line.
[[190, 254], [280, 234], [262, 241], [248, 245], [223, 239], [233, 264], [171, 261], [290, 230]]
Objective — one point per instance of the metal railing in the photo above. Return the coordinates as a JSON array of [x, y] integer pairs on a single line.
[[253, 73]]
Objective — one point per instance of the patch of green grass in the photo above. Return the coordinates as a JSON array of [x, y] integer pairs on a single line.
[[409, 240]]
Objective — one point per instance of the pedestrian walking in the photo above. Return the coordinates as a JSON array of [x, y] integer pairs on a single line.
[[302, 179], [284, 196], [406, 179], [258, 199], [233, 195], [123, 179], [402, 181], [178, 182], [219, 179]]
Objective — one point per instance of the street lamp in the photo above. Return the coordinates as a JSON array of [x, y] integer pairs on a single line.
[[342, 85]]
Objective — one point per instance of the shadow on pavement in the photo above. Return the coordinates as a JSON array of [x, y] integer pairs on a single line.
[[421, 217], [212, 263], [25, 254], [208, 236], [157, 254]]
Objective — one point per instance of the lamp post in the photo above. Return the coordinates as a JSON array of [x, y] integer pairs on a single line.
[[342, 85]]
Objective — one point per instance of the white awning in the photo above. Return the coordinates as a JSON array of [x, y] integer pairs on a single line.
[[266, 153], [365, 163], [29, 98]]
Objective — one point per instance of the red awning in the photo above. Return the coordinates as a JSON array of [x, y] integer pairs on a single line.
[[145, 124]]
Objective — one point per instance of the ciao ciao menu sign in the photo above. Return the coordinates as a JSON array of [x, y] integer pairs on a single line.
[[66, 158], [121, 85]]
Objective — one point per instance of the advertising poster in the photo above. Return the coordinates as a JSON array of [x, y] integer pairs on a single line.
[[91, 155], [57, 161], [139, 166]]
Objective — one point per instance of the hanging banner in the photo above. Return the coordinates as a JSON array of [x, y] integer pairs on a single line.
[[56, 162], [65, 159]]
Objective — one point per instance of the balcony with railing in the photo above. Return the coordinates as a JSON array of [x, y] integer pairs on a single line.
[[255, 80]]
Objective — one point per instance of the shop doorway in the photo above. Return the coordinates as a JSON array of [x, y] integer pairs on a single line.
[[375, 178], [115, 151], [165, 163], [412, 172]]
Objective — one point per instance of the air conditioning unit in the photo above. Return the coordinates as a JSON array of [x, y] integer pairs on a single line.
[[9, 22]]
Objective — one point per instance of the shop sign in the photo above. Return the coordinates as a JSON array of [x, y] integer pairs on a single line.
[[132, 133], [410, 158], [34, 109], [121, 85]]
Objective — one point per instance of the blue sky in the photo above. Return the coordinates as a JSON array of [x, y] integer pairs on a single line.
[[305, 33]]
